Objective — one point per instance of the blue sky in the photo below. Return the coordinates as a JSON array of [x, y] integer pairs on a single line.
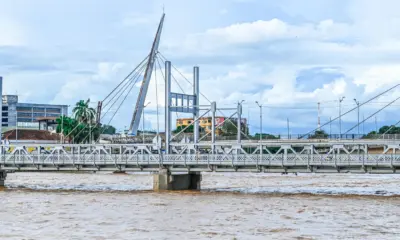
[[287, 54]]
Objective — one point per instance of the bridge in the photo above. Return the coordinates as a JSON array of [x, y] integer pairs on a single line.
[[178, 165], [182, 167]]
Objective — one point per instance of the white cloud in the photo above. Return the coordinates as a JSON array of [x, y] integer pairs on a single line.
[[241, 56], [12, 33]]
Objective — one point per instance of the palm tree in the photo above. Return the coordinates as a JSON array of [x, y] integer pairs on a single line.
[[83, 113]]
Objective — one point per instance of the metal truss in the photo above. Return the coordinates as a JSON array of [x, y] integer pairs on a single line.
[[374, 157]]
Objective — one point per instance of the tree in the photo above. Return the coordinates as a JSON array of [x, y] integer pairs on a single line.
[[319, 134], [65, 125], [108, 129], [83, 113], [383, 130], [229, 128], [389, 130]]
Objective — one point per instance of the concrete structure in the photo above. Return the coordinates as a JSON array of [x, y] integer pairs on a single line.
[[3, 176], [27, 114], [47, 123], [164, 180]]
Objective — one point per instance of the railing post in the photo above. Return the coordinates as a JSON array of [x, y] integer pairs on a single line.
[[39, 153], [259, 158], [79, 154]]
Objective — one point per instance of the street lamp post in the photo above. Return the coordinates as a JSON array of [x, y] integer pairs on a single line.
[[358, 116], [260, 106], [340, 116], [239, 121]]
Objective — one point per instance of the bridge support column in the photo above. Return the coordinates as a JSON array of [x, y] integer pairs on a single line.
[[164, 180], [3, 175]]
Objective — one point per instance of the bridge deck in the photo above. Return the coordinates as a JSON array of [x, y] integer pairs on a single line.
[[259, 157], [373, 163]]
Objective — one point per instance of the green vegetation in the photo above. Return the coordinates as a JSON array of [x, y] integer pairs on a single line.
[[229, 128], [82, 126], [319, 134], [383, 130], [189, 129], [83, 113]]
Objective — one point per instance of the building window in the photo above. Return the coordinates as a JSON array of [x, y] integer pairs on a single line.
[[4, 120], [4, 125], [24, 109], [53, 110], [36, 109], [4, 108], [38, 114], [53, 114], [24, 119], [5, 114], [24, 114]]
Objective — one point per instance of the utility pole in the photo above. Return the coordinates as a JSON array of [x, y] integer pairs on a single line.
[[376, 124], [248, 121], [340, 116], [363, 128], [239, 121], [319, 117], [358, 116], [330, 127], [288, 129], [260, 106]]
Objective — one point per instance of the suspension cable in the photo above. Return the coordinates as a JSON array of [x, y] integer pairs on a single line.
[[120, 104], [135, 77], [229, 120], [132, 83], [146, 58], [393, 126], [185, 78], [361, 104], [372, 115]]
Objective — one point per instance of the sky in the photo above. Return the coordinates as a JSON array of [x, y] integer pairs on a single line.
[[288, 55]]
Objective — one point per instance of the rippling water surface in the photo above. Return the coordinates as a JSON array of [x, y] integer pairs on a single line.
[[230, 206]]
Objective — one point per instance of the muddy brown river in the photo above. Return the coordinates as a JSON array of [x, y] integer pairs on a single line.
[[230, 206]]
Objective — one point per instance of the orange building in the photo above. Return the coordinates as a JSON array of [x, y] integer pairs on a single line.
[[204, 122]]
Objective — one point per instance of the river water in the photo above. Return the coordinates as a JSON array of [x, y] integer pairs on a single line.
[[230, 206]]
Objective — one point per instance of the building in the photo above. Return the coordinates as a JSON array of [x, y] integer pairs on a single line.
[[26, 115], [205, 122]]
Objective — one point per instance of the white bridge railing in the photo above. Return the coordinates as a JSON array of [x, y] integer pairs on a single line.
[[202, 159]]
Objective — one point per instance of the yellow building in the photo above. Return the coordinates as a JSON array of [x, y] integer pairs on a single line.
[[204, 123]]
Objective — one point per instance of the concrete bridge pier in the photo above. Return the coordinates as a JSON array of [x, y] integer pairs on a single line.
[[3, 175], [164, 180]]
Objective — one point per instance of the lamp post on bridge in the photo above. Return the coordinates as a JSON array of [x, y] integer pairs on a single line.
[[340, 116], [260, 106], [358, 116], [239, 121]]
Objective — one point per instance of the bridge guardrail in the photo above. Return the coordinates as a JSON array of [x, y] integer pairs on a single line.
[[204, 159]]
